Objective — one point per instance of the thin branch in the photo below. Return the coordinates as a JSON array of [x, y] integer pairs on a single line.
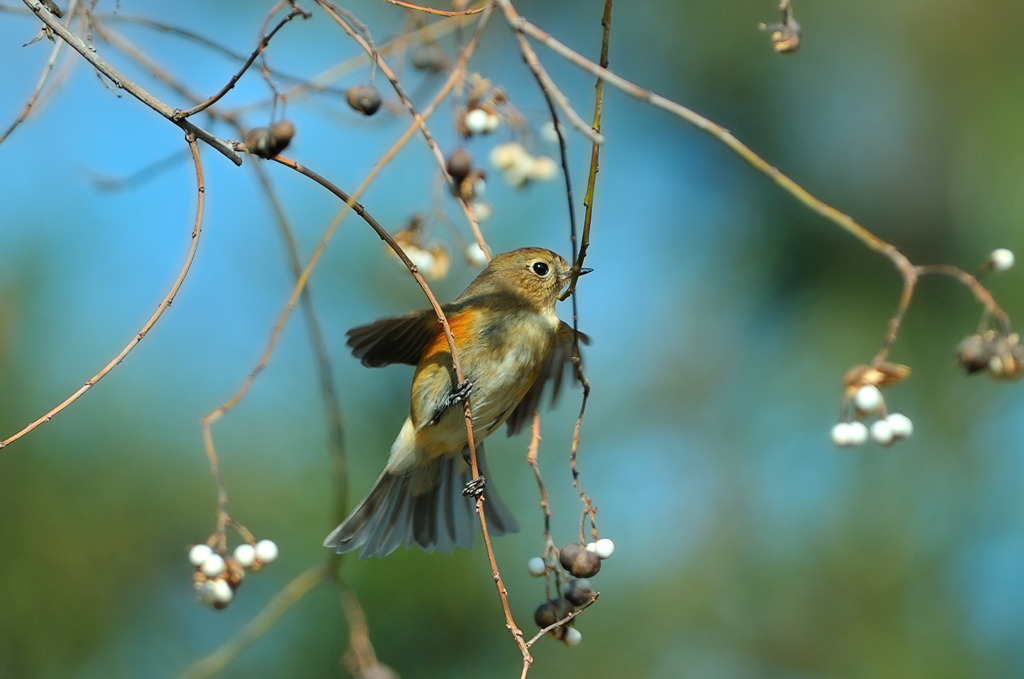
[[439, 12], [164, 304], [123, 83], [980, 292], [595, 154], [550, 554], [264, 41], [58, 44], [547, 84], [125, 46]]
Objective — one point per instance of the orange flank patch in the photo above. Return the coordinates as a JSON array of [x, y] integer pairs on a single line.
[[462, 326]]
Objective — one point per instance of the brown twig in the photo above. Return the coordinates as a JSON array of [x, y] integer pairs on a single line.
[[550, 554], [439, 12], [264, 41], [980, 292], [123, 83], [57, 45], [588, 506], [164, 304]]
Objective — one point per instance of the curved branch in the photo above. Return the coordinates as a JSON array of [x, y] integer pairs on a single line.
[[201, 195]]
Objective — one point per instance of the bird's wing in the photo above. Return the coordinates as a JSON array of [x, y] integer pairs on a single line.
[[399, 339], [558, 361]]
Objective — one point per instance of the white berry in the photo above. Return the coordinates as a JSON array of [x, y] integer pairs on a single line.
[[1002, 259], [573, 637], [548, 133], [475, 254], [423, 259], [858, 433], [207, 592], [536, 567], [901, 425], [604, 548], [199, 553], [881, 432], [868, 398], [504, 156], [266, 551], [543, 168], [841, 434], [482, 211], [479, 186], [222, 592], [245, 554], [491, 122], [476, 121], [213, 566]]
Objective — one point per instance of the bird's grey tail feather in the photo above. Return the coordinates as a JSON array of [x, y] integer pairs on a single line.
[[422, 507]]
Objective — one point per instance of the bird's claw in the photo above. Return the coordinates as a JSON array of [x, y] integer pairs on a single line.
[[461, 392], [456, 395], [475, 488]]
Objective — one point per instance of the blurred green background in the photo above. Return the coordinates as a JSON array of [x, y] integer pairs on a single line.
[[723, 315]]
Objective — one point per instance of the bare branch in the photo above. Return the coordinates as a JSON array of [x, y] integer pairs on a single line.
[[121, 82], [164, 304]]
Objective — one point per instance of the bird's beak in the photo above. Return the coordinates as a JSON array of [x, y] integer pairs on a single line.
[[585, 271]]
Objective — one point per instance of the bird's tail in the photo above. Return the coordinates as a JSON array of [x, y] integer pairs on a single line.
[[423, 506]]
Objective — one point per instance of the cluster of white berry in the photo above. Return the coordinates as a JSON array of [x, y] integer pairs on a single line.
[[886, 429], [218, 576], [582, 563], [519, 167]]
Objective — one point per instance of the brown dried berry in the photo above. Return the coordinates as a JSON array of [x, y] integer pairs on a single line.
[[974, 353], [257, 142], [1001, 355], [268, 142], [550, 612], [429, 56], [459, 164], [363, 98], [578, 561], [545, 615], [578, 591], [281, 134]]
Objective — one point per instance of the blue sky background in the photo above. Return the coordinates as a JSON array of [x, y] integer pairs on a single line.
[[723, 316]]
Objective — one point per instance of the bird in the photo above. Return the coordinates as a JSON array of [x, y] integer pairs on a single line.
[[510, 343]]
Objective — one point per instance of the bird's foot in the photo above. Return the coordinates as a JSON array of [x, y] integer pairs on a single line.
[[475, 488]]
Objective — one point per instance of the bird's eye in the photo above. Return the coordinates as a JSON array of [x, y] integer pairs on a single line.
[[540, 268]]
